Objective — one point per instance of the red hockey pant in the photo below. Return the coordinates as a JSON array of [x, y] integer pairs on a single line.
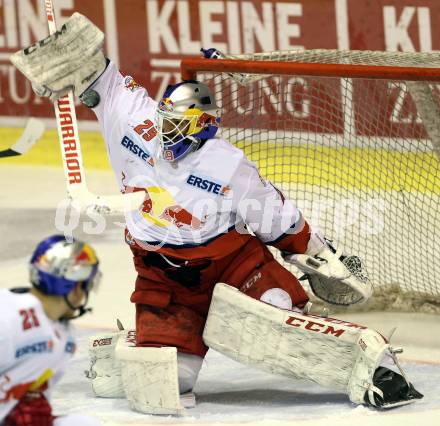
[[172, 303]]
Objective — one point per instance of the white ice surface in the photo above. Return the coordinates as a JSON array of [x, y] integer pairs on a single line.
[[227, 392]]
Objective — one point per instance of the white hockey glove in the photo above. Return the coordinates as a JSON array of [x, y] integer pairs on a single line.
[[72, 58], [335, 278]]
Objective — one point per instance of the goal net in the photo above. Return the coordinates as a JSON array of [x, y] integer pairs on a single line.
[[354, 139]]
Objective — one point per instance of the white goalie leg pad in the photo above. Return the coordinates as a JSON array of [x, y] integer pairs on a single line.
[[333, 353], [105, 370], [150, 379]]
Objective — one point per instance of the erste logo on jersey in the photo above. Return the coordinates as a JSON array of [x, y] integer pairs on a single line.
[[208, 184], [35, 348], [135, 149]]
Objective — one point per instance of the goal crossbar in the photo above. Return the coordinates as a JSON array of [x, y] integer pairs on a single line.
[[191, 66]]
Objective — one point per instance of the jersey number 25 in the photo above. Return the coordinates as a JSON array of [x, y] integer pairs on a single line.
[[146, 130]]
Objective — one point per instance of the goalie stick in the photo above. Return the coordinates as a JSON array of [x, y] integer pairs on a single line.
[[72, 156], [33, 131]]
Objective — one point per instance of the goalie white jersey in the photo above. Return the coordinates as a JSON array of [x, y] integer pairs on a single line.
[[33, 349], [213, 191]]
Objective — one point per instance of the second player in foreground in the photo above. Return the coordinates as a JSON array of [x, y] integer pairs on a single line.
[[36, 336], [202, 196]]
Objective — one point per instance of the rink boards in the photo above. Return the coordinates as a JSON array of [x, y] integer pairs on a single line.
[[327, 166]]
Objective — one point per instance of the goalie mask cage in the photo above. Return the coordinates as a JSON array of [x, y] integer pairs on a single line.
[[353, 138]]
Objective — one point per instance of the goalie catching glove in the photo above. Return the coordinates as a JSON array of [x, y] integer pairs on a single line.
[[334, 278], [71, 58]]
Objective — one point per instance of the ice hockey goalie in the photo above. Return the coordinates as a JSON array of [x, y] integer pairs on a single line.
[[208, 217]]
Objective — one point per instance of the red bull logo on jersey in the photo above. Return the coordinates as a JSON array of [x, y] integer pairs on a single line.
[[86, 256], [180, 217], [131, 84], [8, 392], [161, 209]]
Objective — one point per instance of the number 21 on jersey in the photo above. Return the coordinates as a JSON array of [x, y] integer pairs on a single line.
[[29, 318]]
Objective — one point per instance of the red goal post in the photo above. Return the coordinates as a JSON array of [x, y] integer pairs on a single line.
[[190, 67], [354, 138]]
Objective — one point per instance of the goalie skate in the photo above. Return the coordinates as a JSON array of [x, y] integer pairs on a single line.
[[392, 390]]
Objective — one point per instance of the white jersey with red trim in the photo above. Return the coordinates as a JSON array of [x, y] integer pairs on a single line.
[[33, 349], [191, 201]]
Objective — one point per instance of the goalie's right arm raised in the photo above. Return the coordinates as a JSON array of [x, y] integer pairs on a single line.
[[72, 58]]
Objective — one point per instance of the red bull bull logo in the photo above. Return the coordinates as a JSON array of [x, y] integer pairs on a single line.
[[205, 119], [87, 255], [14, 392], [131, 84], [147, 204], [9, 392], [180, 217], [166, 104], [160, 208]]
